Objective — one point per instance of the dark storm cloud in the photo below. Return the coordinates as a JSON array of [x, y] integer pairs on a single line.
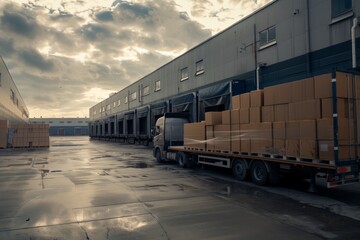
[[6, 46], [104, 16], [52, 75], [33, 58], [137, 10], [94, 32], [19, 23]]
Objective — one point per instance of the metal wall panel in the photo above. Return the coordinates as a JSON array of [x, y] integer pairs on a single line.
[[231, 53]]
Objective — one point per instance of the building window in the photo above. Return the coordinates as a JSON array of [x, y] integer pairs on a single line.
[[12, 95], [68, 121], [268, 37], [339, 7], [199, 67], [157, 86], [184, 74], [61, 121], [133, 96], [50, 122], [114, 104], [103, 109], [119, 102], [126, 99], [94, 112], [146, 91], [108, 107]]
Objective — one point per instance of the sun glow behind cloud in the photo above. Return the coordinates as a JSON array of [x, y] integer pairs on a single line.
[[65, 56]]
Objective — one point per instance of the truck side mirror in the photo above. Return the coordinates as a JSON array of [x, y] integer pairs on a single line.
[[157, 130]]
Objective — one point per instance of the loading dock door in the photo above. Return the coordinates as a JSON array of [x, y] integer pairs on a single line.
[[157, 110], [129, 124], [142, 121], [186, 104], [214, 98]]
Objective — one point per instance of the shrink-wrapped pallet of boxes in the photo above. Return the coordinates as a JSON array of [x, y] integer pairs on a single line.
[[30, 135]]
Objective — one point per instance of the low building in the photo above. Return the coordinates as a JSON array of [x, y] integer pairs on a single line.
[[12, 106], [65, 126]]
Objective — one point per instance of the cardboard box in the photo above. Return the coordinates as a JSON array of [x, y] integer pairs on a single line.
[[226, 117], [4, 124], [308, 130], [244, 116], [257, 98], [343, 107], [279, 147], [323, 85], [268, 96], [292, 130], [235, 138], [235, 101], [261, 146], [266, 131], [209, 131], [195, 135], [326, 151], [302, 90], [293, 148], [267, 114], [245, 100], [281, 112], [245, 145], [246, 131], [255, 115], [235, 116], [307, 110], [222, 137], [279, 130], [282, 93], [325, 129], [309, 149], [213, 118]]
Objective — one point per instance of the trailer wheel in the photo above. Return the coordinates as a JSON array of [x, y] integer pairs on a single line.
[[240, 170], [259, 173], [181, 159], [158, 156]]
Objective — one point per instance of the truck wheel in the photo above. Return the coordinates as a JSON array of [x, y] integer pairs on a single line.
[[181, 159], [259, 173], [240, 170], [158, 156]]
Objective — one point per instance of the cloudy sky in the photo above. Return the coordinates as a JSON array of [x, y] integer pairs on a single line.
[[67, 55]]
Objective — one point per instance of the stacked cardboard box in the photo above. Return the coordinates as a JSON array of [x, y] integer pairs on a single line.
[[30, 135], [3, 133], [194, 135], [346, 97], [291, 120]]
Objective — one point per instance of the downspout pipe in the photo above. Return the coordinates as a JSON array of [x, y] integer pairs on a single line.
[[258, 77], [353, 41]]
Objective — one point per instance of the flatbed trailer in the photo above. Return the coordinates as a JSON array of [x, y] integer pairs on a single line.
[[264, 168]]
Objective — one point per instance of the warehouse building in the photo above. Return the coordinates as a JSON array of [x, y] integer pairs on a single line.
[[12, 106], [286, 40], [65, 126]]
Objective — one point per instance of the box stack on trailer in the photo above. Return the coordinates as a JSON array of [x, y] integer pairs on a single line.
[[3, 133], [30, 135], [290, 121]]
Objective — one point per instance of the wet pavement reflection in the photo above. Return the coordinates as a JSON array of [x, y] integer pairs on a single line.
[[81, 189]]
